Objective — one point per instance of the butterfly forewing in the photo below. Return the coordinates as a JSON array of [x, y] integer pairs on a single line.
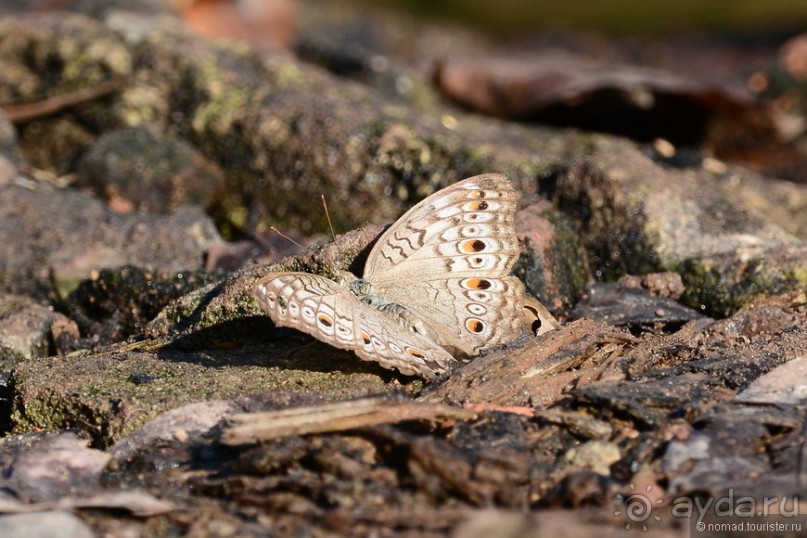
[[324, 309], [463, 230], [448, 259]]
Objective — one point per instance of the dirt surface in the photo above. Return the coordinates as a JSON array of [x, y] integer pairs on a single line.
[[144, 393]]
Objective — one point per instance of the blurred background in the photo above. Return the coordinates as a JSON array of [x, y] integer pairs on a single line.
[[696, 79], [617, 17]]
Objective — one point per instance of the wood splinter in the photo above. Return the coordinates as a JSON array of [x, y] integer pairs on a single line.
[[246, 428]]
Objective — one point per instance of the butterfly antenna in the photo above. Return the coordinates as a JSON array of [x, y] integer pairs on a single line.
[[328, 216], [284, 236]]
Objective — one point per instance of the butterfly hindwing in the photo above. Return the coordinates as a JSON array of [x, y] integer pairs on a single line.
[[332, 314], [468, 314]]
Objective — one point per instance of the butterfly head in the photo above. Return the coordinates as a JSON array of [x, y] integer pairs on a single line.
[[361, 288]]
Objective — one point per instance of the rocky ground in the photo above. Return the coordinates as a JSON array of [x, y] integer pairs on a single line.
[[144, 393]]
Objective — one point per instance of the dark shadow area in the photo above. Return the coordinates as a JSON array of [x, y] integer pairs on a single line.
[[679, 118], [6, 401], [255, 341]]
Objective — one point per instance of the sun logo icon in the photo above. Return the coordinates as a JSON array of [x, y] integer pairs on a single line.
[[637, 507]]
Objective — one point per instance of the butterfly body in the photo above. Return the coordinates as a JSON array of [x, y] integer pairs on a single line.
[[435, 285], [403, 316]]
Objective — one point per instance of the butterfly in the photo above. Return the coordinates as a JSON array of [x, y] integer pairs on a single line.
[[436, 285]]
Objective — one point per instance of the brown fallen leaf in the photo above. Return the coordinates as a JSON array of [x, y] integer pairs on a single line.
[[565, 89]]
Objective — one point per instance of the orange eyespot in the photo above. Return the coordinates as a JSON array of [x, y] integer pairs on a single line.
[[418, 354], [325, 320], [470, 246], [474, 325], [366, 338], [476, 194], [475, 206], [476, 284]]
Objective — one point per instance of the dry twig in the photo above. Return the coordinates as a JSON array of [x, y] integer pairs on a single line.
[[256, 427]]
